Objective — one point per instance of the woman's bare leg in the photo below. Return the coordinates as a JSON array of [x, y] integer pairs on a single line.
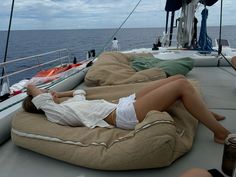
[[196, 172], [234, 61], [162, 82], [163, 97], [157, 84]]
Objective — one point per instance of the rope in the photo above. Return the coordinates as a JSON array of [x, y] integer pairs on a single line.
[[228, 61], [111, 38], [204, 42]]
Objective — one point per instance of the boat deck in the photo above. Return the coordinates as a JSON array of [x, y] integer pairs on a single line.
[[217, 85]]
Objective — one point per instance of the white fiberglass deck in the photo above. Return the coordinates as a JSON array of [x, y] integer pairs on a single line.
[[217, 85]]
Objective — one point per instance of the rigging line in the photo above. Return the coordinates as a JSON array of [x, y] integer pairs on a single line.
[[221, 14], [228, 61], [8, 36], [120, 26], [228, 109], [229, 72], [220, 36]]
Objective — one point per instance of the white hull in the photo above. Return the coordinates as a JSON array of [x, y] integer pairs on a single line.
[[204, 60]]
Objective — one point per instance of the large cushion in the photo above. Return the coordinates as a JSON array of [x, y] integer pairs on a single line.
[[171, 67], [114, 68], [156, 142]]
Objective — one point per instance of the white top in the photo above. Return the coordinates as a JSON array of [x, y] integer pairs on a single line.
[[76, 111], [115, 44]]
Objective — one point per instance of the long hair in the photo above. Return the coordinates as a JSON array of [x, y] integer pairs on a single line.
[[28, 106]]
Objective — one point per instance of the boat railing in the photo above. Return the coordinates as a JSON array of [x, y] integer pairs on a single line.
[[62, 55]]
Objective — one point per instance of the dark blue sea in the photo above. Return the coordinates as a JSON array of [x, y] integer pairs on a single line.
[[32, 42]]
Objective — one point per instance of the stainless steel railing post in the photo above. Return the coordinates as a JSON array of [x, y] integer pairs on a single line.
[[68, 55], [60, 57], [39, 64], [7, 77]]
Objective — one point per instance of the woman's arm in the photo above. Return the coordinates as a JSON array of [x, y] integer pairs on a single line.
[[33, 90], [63, 94]]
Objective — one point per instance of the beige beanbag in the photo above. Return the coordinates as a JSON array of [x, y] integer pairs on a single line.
[[114, 68], [156, 142]]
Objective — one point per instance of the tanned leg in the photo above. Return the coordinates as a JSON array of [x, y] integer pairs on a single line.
[[157, 84], [162, 82], [196, 172], [164, 96], [234, 61]]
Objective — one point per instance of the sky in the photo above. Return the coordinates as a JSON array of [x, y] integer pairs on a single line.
[[90, 14]]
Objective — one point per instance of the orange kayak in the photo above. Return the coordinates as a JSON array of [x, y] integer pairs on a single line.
[[56, 70]]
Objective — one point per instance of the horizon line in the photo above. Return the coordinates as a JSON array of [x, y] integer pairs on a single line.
[[95, 28]]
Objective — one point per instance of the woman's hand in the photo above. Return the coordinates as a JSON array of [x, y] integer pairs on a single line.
[[56, 96], [62, 94], [32, 90]]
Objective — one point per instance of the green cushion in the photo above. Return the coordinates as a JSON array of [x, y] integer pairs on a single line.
[[171, 67]]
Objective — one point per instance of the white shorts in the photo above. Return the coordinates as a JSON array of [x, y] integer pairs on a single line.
[[125, 113]]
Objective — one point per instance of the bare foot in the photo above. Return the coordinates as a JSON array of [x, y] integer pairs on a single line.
[[221, 138], [218, 117]]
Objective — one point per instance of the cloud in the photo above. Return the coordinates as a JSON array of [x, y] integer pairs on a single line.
[[67, 14]]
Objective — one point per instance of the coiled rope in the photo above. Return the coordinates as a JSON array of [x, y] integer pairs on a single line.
[[204, 42]]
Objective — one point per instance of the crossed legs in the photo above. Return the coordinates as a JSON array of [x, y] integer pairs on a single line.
[[162, 82], [166, 92]]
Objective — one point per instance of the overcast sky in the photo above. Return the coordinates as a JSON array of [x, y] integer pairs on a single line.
[[83, 14]]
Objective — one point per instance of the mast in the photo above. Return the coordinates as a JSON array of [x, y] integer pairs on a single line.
[[171, 6], [171, 26], [8, 36], [186, 34], [167, 21]]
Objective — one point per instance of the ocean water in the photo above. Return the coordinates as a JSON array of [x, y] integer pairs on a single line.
[[32, 42]]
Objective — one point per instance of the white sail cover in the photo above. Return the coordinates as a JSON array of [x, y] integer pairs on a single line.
[[186, 21]]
